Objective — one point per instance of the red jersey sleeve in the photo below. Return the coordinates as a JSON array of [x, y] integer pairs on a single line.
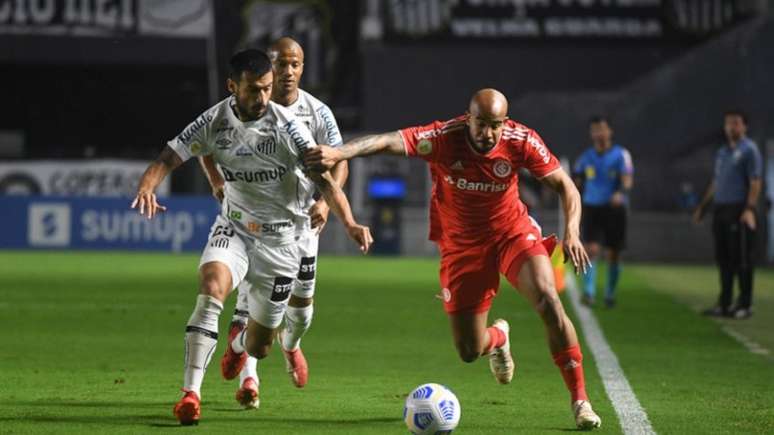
[[538, 160], [423, 141]]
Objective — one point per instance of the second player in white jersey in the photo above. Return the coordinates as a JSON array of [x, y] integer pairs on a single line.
[[318, 117]]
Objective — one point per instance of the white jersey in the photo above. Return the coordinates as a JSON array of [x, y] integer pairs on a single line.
[[267, 194], [317, 116]]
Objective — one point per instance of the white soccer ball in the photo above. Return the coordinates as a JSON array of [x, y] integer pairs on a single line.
[[432, 409]]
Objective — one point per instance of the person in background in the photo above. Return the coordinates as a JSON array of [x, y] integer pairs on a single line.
[[734, 190], [604, 172]]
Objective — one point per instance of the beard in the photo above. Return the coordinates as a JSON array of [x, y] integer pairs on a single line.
[[251, 113]]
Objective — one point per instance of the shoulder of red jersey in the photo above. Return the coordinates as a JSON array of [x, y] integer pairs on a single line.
[[441, 128], [517, 131]]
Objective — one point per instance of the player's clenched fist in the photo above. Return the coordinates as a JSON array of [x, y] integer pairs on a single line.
[[361, 235], [322, 158], [145, 201]]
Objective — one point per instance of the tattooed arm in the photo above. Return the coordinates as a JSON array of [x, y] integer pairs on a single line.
[[324, 157], [217, 183], [145, 199]]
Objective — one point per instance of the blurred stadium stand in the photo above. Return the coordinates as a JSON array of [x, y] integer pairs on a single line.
[[116, 79]]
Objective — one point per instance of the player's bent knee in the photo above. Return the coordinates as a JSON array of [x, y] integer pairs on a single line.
[[215, 280], [212, 287]]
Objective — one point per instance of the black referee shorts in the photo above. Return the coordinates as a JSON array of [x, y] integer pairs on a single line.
[[604, 224]]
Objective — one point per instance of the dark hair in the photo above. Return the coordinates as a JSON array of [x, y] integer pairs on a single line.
[[737, 112], [250, 60], [596, 119]]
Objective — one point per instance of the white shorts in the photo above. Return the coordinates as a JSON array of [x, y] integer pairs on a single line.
[[265, 275], [303, 285]]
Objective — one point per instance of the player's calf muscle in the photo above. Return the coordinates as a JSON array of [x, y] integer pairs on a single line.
[[549, 307], [258, 340], [469, 351], [256, 350]]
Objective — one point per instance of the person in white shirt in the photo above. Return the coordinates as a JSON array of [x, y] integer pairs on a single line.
[[287, 58], [258, 145]]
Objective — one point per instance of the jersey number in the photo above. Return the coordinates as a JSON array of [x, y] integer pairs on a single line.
[[221, 230]]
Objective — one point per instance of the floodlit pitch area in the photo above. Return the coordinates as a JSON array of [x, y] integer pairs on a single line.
[[94, 342]]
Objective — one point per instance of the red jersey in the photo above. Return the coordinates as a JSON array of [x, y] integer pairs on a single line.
[[475, 196]]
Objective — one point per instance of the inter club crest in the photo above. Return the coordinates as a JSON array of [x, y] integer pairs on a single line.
[[502, 168]]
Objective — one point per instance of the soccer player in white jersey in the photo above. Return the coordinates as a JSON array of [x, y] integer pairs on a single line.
[[287, 58], [258, 145]]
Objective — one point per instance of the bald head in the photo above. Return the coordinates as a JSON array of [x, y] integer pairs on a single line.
[[285, 44], [488, 112], [287, 61], [489, 104]]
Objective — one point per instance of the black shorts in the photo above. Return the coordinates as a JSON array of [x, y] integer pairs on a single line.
[[605, 225], [735, 243]]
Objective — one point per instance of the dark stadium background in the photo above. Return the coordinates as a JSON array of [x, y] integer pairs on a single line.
[[94, 82]]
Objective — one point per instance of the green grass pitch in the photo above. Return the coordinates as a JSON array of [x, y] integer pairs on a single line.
[[93, 342]]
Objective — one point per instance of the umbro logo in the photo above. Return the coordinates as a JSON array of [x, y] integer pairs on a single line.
[[223, 143], [571, 364], [457, 166], [531, 237]]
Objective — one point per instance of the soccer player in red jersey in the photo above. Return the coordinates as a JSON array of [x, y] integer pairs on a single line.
[[482, 229]]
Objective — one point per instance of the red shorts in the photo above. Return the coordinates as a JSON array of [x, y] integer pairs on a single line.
[[470, 277]]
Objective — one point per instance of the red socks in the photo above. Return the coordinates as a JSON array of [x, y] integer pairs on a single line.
[[569, 363], [496, 338]]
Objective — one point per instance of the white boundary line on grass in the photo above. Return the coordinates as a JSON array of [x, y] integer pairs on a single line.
[[748, 343], [632, 417]]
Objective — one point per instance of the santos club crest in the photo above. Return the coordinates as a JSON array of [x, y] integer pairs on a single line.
[[502, 168]]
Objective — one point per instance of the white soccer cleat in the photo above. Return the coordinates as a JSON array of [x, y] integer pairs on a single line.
[[585, 417], [500, 359]]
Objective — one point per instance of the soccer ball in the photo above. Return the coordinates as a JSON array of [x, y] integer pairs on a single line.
[[431, 409]]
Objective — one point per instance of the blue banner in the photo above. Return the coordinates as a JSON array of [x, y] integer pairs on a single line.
[[37, 222]]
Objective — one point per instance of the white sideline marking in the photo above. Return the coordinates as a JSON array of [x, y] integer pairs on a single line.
[[632, 417], [748, 343]]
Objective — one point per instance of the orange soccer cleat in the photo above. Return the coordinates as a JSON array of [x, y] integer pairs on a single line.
[[188, 409], [295, 362], [231, 363]]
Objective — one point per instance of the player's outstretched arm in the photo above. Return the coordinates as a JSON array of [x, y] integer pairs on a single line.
[[213, 176], [145, 200], [339, 204], [322, 158], [560, 182], [319, 211]]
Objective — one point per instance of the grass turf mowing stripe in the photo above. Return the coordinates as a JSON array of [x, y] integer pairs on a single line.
[[632, 417]]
